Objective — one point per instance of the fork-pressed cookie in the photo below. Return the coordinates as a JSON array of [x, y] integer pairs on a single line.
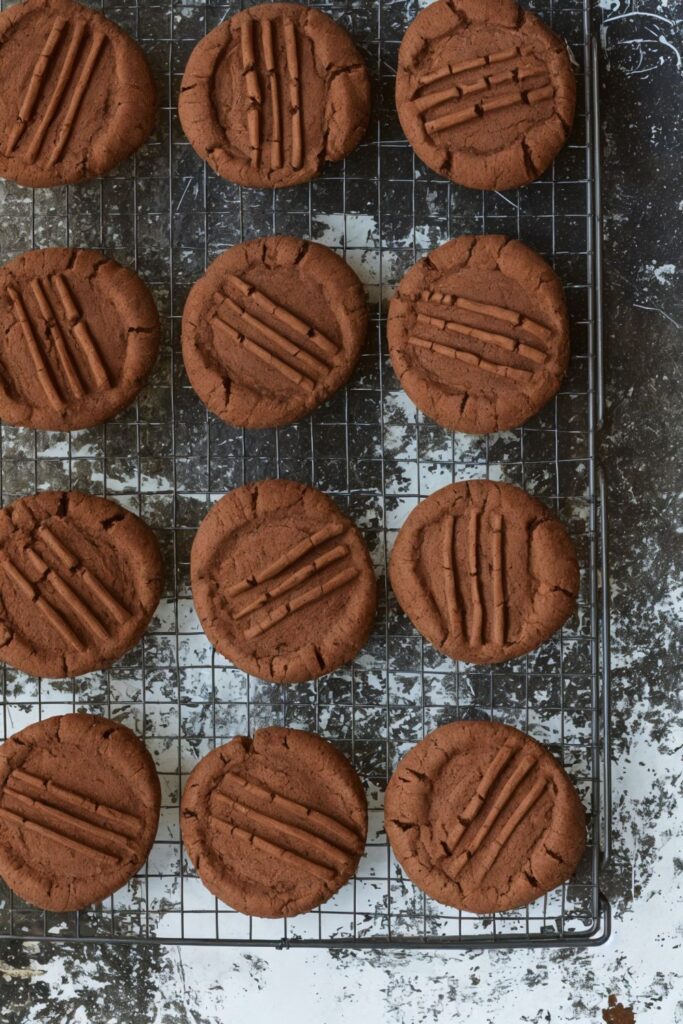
[[79, 335], [80, 578], [484, 571], [79, 808], [483, 818], [282, 581], [275, 824], [273, 328], [479, 334], [77, 98], [485, 92], [273, 93]]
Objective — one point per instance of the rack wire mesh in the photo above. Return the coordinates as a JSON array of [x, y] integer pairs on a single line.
[[167, 459]]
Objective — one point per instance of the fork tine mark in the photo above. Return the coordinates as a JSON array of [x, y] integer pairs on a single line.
[[498, 578], [63, 354], [503, 340], [495, 847], [288, 608], [346, 836], [314, 842], [282, 314], [68, 796], [82, 84], [35, 83], [64, 819], [435, 99], [264, 354], [110, 603], [328, 558], [294, 350], [450, 568], [253, 88], [52, 109], [446, 70], [500, 801], [274, 86], [489, 778], [537, 330], [476, 623], [24, 585], [439, 124], [294, 93], [81, 331], [284, 562], [69, 596], [57, 837], [537, 95], [40, 364], [305, 863]]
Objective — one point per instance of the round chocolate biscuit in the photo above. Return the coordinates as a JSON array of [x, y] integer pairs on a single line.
[[484, 571], [479, 335], [483, 818], [485, 92], [272, 329], [272, 94], [80, 578], [275, 825], [79, 809], [79, 335], [282, 581], [77, 93]]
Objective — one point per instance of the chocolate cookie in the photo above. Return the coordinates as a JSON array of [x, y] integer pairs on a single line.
[[79, 808], [79, 335], [77, 93], [485, 92], [478, 334], [282, 581], [80, 578], [273, 93], [483, 818], [275, 825], [275, 326], [484, 571]]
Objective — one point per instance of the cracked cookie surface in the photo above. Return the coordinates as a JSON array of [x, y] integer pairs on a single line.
[[483, 818], [273, 93], [79, 335], [80, 578], [77, 94], [485, 92], [484, 571], [282, 581], [478, 333], [276, 824], [79, 808], [273, 328]]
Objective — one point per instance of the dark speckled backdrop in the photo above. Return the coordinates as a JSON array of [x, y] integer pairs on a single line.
[[641, 965]]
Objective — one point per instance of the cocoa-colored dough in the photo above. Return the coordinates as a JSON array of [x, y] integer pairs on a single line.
[[273, 328], [275, 825], [272, 94], [80, 578], [484, 571], [282, 581], [79, 809], [483, 818], [510, 350], [485, 92], [79, 335], [77, 94]]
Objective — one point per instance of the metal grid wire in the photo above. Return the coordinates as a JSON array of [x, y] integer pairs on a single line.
[[167, 459]]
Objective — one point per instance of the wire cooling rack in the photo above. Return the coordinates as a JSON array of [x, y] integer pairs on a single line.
[[167, 459]]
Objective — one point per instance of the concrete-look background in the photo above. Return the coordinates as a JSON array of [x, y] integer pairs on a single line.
[[640, 967]]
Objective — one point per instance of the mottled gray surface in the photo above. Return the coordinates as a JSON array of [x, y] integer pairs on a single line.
[[641, 963]]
